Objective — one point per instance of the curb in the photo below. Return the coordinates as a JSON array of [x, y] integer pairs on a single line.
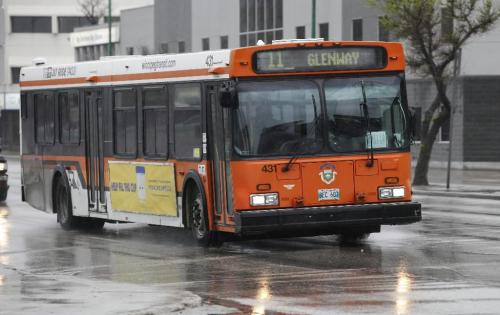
[[455, 194]]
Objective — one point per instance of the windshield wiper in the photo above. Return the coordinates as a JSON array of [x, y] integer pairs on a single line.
[[295, 153], [364, 109]]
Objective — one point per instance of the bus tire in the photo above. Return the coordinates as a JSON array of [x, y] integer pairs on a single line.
[[3, 195], [63, 206], [353, 238], [92, 224], [198, 217]]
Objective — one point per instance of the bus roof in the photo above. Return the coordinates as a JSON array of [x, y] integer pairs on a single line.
[[239, 62]]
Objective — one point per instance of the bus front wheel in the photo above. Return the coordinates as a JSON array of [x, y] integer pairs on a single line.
[[3, 194], [199, 219], [353, 238]]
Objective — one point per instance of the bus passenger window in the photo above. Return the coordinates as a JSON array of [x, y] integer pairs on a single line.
[[187, 121], [155, 122], [44, 119], [24, 106], [69, 118], [125, 122]]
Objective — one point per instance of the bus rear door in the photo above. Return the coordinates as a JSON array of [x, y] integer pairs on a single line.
[[94, 139]]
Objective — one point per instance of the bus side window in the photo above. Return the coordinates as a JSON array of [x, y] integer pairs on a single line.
[[24, 106], [187, 121], [155, 108], [44, 118], [125, 121], [69, 118]]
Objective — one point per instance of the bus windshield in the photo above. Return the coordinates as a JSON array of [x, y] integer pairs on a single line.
[[348, 130], [286, 117], [277, 118]]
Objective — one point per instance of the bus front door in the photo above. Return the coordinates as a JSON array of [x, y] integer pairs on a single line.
[[94, 139], [218, 129]]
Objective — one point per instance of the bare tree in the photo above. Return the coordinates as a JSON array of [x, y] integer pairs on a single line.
[[434, 32], [93, 10]]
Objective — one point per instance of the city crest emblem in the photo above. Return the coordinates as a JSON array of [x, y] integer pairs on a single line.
[[328, 173]]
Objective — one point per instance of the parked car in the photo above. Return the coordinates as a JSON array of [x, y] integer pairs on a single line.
[[4, 186]]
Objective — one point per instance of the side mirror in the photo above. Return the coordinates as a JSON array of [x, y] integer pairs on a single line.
[[228, 96]]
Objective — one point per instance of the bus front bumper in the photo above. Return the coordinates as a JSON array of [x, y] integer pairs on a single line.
[[327, 219]]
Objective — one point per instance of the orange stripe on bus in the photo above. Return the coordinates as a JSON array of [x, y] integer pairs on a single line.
[[125, 77]]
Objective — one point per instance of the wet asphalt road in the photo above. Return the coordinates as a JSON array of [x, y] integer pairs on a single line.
[[447, 264]]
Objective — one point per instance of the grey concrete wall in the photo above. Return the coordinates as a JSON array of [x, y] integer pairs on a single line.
[[173, 23], [137, 30], [298, 13], [482, 119], [357, 9], [213, 19], [2, 42], [421, 93]]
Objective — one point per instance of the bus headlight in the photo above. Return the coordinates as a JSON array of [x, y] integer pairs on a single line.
[[264, 199], [391, 192], [3, 166]]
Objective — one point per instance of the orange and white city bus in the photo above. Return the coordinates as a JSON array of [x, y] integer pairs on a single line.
[[294, 138]]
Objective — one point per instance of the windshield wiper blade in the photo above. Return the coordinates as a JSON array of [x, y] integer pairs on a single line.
[[364, 109]]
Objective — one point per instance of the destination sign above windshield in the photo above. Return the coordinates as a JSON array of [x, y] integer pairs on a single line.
[[320, 59]]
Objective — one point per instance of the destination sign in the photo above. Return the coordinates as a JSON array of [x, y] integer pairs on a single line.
[[320, 59]]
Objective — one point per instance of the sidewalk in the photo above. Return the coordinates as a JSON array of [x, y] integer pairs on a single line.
[[481, 184]]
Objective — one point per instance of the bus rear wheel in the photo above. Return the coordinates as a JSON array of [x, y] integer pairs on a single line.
[[199, 219], [64, 209]]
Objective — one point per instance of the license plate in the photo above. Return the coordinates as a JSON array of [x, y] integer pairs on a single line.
[[329, 194], [3, 177]]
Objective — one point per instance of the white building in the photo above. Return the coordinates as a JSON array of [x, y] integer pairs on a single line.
[[39, 28]]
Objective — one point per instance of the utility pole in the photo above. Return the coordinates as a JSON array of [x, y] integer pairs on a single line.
[[456, 74], [313, 20], [110, 49]]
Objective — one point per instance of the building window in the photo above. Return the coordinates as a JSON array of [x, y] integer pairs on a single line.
[[44, 119], [125, 122], [260, 20], [164, 48], [323, 31], [446, 22], [69, 118], [357, 29], [187, 121], [144, 50], [224, 42], [155, 109], [205, 43], [129, 50], [15, 73], [182, 46], [67, 24], [31, 24], [300, 32], [383, 32]]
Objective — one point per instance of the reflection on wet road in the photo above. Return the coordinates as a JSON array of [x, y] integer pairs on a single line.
[[447, 264]]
